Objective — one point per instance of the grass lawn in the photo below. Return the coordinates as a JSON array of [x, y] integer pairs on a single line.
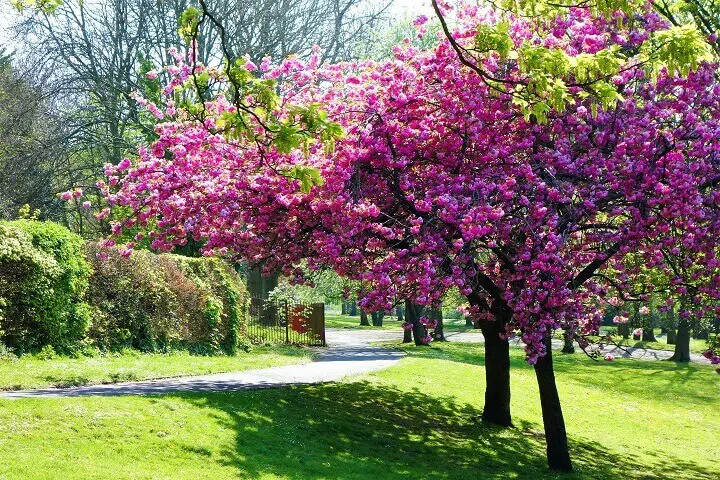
[[31, 372], [418, 420]]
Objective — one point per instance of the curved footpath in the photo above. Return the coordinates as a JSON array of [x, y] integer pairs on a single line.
[[350, 353]]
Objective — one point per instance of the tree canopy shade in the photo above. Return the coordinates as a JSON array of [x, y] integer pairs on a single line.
[[441, 178]]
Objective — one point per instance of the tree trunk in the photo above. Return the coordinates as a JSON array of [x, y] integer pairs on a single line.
[[377, 319], [568, 344], [558, 454], [671, 336], [682, 344], [364, 319], [343, 308], [497, 376], [259, 286], [353, 309], [648, 334], [624, 330], [407, 336], [469, 322], [439, 333], [413, 312], [400, 312]]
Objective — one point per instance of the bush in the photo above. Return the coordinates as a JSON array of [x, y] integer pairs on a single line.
[[43, 279], [156, 302]]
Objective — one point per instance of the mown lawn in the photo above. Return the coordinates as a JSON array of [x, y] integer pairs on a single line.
[[418, 420], [32, 372]]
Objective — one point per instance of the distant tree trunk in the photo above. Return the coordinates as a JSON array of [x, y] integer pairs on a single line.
[[497, 375], [413, 312], [469, 322], [407, 314], [558, 454], [646, 322], [648, 334], [682, 344], [343, 308], [439, 334], [377, 318], [672, 332], [364, 318], [400, 312], [568, 344], [259, 286], [353, 310], [624, 330]]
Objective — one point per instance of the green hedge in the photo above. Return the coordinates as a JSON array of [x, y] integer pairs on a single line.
[[43, 281], [156, 302], [55, 290]]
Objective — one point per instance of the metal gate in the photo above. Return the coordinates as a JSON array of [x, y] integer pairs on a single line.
[[283, 321]]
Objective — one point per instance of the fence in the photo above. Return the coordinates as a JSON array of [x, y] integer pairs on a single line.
[[286, 322]]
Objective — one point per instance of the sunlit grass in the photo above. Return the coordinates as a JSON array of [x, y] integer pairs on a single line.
[[418, 420]]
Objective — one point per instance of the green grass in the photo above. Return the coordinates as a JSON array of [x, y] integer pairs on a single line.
[[31, 372], [418, 420]]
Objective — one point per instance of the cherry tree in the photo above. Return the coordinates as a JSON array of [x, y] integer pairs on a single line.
[[440, 179]]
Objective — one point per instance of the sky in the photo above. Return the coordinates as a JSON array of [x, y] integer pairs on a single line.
[[402, 8]]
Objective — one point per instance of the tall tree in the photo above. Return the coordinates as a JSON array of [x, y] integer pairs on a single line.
[[443, 179]]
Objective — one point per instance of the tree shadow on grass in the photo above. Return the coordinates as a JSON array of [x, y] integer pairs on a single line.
[[361, 430]]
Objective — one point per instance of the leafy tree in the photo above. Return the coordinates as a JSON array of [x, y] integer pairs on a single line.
[[440, 179]]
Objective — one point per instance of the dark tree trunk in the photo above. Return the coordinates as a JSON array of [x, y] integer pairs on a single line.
[[353, 309], [648, 334], [400, 312], [413, 312], [568, 344], [558, 454], [624, 330], [469, 322], [259, 286], [377, 319], [364, 318], [407, 336], [671, 336], [682, 344], [497, 375], [439, 333], [343, 308]]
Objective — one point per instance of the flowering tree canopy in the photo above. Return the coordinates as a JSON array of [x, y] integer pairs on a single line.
[[441, 180]]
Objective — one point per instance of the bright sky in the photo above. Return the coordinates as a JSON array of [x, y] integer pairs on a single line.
[[410, 8]]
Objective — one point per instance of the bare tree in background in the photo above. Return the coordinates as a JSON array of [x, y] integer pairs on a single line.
[[32, 146], [95, 53]]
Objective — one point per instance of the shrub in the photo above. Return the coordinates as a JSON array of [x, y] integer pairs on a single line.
[[155, 302], [43, 279]]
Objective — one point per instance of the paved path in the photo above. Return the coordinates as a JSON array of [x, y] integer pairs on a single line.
[[346, 356], [350, 353]]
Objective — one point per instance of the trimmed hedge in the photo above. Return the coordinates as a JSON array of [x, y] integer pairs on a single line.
[[43, 280], [56, 291], [157, 302]]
